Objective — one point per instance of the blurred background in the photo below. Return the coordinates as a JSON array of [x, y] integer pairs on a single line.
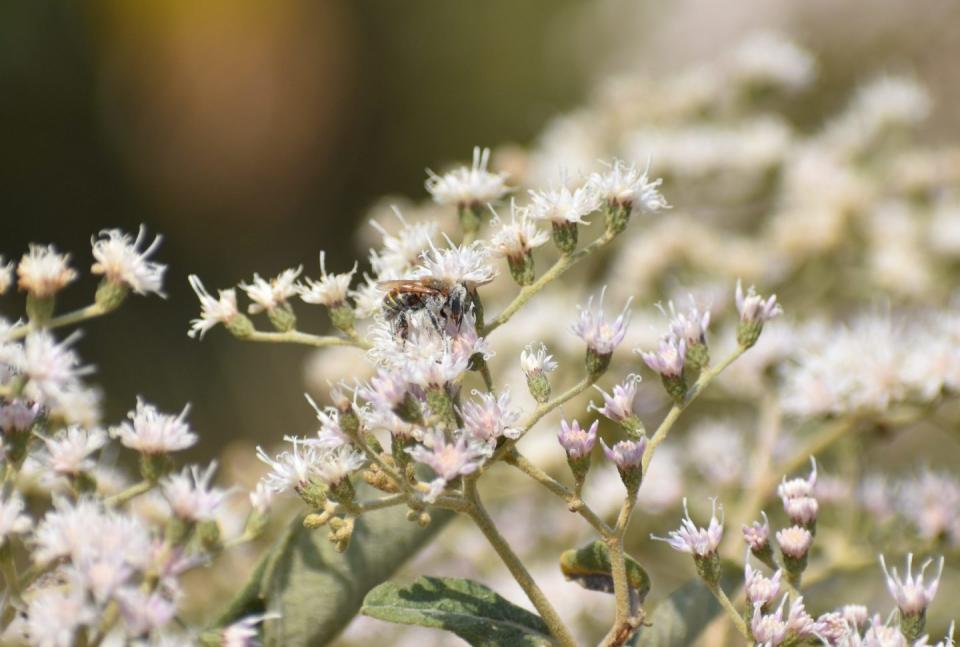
[[253, 134]]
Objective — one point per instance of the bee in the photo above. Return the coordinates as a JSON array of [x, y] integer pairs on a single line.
[[441, 301]]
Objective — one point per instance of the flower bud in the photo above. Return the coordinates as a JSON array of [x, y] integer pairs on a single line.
[[282, 317], [754, 312], [240, 326], [111, 294], [757, 537], [795, 543], [619, 406], [565, 236], [577, 443], [628, 457], [668, 360], [911, 595]]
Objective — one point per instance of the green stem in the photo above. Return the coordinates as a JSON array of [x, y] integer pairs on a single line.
[[305, 339], [526, 293], [618, 569], [131, 492], [730, 610], [479, 514], [77, 316], [702, 382]]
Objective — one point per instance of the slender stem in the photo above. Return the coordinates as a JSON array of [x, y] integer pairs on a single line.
[[305, 339], [663, 430], [89, 312], [573, 501], [479, 514], [731, 610], [564, 263], [618, 569], [131, 492]]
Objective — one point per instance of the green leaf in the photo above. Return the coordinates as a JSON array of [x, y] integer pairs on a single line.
[[590, 568], [316, 590], [678, 620], [468, 609]]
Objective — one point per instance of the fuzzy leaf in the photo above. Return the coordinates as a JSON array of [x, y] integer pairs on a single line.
[[678, 620], [468, 609], [316, 590], [590, 568]]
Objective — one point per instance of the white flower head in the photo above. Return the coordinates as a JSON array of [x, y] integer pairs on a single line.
[[152, 432], [337, 464], [331, 290], [267, 295], [401, 251], [243, 632], [516, 238], [121, 261], [69, 452], [261, 497], [561, 206], [690, 326], [144, 613], [601, 336], [668, 360], [625, 185], [626, 454], [51, 368], [468, 187], [190, 494], [753, 308], [55, 614], [769, 629], [490, 417], [760, 590], [290, 469], [794, 541], [799, 487], [212, 311], [700, 542], [771, 58], [911, 594], [535, 360], [576, 441], [618, 406], [6, 276], [757, 535], [456, 264], [12, 519], [43, 271], [449, 459]]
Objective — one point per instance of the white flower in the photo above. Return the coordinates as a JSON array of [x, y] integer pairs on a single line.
[[12, 519], [560, 205], [449, 459], [56, 614], [18, 416], [760, 590], [519, 236], [468, 186], [626, 454], [490, 418], [152, 432], [753, 308], [267, 295], [794, 541], [757, 535], [601, 336], [668, 360], [626, 186], [212, 311], [911, 595], [120, 261], [85, 532], [337, 464], [143, 612], [619, 406], [769, 629], [43, 271], [330, 435], [798, 487], [6, 276], [261, 497], [700, 542], [243, 632], [692, 326], [931, 502], [290, 469], [456, 264], [49, 367], [717, 451], [190, 495], [576, 441], [536, 360], [331, 290], [401, 251], [771, 58], [69, 452]]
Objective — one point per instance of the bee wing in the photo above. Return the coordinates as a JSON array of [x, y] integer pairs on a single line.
[[407, 285]]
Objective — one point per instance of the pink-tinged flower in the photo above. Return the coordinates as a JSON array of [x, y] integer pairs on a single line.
[[50, 368], [449, 459], [799, 621], [757, 535], [794, 541], [700, 542], [626, 454], [619, 406], [331, 290], [562, 206], [386, 390], [799, 487], [18, 416], [760, 590], [330, 435], [753, 308], [516, 238], [69, 452], [910, 593], [290, 469], [801, 510], [624, 185], [668, 359], [467, 187], [190, 495], [221, 310], [456, 264], [833, 629], [55, 615], [143, 612], [535, 360], [490, 417], [689, 326], [856, 614], [43, 271], [267, 295], [337, 464], [577, 442], [120, 261], [243, 632], [601, 336], [152, 432], [769, 629]]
